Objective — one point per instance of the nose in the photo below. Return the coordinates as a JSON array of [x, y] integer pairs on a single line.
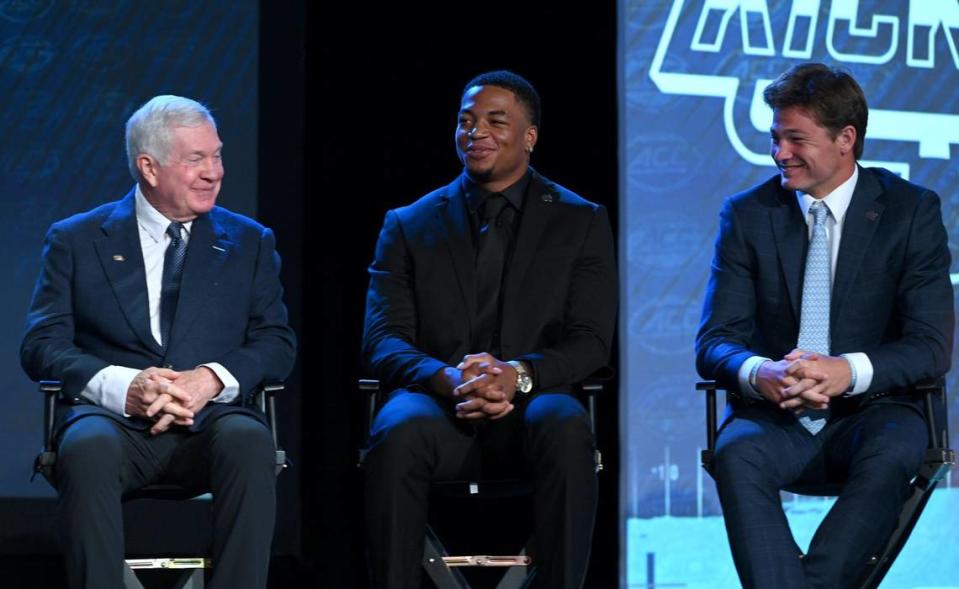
[[476, 131], [212, 169], [780, 151]]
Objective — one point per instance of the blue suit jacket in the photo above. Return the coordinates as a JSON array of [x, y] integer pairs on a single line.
[[891, 298], [559, 291], [89, 307]]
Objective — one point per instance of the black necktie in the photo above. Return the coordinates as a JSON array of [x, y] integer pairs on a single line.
[[490, 258], [172, 272]]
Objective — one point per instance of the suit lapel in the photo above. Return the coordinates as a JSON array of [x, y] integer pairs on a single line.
[[790, 231], [537, 211], [858, 228], [122, 260], [453, 216], [209, 248]]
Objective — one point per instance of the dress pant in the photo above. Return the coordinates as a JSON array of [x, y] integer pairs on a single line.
[[99, 461], [761, 449], [416, 439]]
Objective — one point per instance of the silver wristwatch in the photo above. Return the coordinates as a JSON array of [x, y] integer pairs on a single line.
[[524, 382]]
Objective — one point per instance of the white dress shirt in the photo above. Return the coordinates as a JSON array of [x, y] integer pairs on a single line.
[[108, 388], [837, 203]]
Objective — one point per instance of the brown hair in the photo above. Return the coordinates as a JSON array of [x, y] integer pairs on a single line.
[[831, 96]]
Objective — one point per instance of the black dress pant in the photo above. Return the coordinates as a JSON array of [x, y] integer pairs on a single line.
[[416, 439], [99, 460]]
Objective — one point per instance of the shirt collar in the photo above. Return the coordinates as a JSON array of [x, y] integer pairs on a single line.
[[151, 220], [836, 201], [514, 193]]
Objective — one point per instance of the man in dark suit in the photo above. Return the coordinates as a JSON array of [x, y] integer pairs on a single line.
[[489, 298], [829, 298], [162, 312]]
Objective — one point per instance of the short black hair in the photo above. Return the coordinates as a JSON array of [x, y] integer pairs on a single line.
[[830, 95], [516, 84]]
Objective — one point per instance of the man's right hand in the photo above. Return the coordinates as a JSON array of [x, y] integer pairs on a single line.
[[772, 379], [151, 396], [783, 381], [491, 404]]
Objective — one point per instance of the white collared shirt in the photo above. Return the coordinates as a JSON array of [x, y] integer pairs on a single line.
[[108, 388], [837, 203]]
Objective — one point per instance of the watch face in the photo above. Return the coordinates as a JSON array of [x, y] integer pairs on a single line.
[[524, 383]]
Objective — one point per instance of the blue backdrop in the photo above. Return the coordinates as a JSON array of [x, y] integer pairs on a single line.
[[71, 72], [694, 130]]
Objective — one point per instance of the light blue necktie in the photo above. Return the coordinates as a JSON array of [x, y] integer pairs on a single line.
[[814, 316]]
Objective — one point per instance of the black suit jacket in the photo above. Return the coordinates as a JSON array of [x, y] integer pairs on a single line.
[[559, 292], [891, 298], [89, 307]]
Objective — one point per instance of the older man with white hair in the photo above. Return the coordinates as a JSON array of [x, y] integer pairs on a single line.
[[161, 312]]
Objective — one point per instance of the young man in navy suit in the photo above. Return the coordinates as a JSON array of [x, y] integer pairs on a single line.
[[829, 298], [161, 313], [489, 298]]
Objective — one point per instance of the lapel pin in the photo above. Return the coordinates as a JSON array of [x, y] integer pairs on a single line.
[[218, 248], [547, 197], [872, 215], [118, 258]]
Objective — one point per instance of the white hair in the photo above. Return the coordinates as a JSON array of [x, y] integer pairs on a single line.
[[148, 129]]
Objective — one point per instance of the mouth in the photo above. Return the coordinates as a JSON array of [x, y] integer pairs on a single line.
[[478, 151], [789, 169]]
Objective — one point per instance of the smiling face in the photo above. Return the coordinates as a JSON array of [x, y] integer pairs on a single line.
[[187, 182], [810, 158], [494, 137]]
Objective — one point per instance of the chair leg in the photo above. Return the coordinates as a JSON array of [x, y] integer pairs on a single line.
[[518, 577], [442, 576], [908, 517], [130, 580], [190, 580]]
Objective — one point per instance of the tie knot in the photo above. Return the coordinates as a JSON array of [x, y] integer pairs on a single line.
[[174, 229], [494, 205], [819, 212]]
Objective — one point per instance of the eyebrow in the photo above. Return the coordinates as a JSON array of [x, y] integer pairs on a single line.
[[790, 130], [491, 113]]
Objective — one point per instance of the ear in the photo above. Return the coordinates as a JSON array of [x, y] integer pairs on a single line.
[[846, 139], [532, 134], [148, 167]]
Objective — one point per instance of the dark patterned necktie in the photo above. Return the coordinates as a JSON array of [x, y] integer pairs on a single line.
[[490, 257], [172, 273]]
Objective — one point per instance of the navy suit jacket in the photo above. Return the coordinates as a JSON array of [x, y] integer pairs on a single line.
[[891, 297], [89, 307], [559, 293]]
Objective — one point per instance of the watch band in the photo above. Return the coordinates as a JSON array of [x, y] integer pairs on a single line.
[[524, 381]]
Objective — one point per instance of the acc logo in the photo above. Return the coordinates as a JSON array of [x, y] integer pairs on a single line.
[[703, 29]]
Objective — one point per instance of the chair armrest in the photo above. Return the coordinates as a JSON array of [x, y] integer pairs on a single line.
[[709, 387], [938, 440], [51, 390], [264, 398]]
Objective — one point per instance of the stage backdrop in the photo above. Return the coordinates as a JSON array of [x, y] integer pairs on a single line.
[[71, 72], [695, 130]]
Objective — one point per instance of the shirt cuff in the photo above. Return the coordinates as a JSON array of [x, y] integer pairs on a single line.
[[745, 372], [231, 388], [861, 367], [108, 388]]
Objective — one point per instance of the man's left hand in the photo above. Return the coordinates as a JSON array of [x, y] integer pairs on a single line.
[[200, 384], [831, 373], [488, 394]]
